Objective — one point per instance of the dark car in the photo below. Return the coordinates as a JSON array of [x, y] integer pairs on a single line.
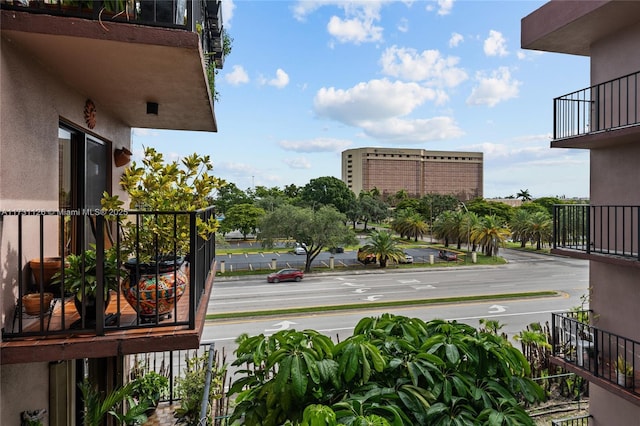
[[285, 275], [447, 255], [335, 250]]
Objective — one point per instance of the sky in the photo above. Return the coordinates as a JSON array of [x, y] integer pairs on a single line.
[[309, 79]]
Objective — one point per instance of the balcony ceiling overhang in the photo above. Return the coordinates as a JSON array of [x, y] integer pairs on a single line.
[[121, 67], [572, 26]]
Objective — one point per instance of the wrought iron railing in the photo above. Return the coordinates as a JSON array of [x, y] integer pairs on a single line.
[[55, 235], [572, 421], [605, 106], [609, 230], [201, 16], [608, 356]]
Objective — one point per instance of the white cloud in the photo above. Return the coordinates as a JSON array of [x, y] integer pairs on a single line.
[[356, 26], [373, 100], [409, 131], [227, 12], [493, 89], [316, 145], [403, 25], [495, 44], [430, 66], [281, 79], [237, 76], [378, 107], [444, 7], [354, 30], [455, 39], [297, 163]]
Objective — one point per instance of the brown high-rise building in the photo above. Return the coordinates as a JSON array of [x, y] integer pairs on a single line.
[[417, 171]]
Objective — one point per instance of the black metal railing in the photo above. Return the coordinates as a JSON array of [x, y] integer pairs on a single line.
[[605, 355], [572, 421], [201, 16], [605, 106], [609, 230], [95, 241]]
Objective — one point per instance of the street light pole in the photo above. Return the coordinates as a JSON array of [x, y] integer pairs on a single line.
[[468, 232]]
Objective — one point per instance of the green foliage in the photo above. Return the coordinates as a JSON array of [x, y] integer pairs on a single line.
[[393, 370], [190, 389], [384, 247], [317, 230], [80, 273], [327, 191], [481, 207], [150, 387], [244, 217], [97, 405], [158, 186], [490, 234]]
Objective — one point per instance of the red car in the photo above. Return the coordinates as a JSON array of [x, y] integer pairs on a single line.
[[285, 275]]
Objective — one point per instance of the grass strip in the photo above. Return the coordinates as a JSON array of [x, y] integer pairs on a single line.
[[418, 302]]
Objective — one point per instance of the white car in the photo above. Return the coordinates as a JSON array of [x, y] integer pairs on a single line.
[[300, 250], [407, 258]]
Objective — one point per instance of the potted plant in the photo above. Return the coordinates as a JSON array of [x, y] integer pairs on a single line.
[[624, 372], [80, 278], [148, 388], [157, 244]]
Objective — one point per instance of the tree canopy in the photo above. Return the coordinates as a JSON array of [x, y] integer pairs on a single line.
[[325, 191], [313, 229], [393, 370]]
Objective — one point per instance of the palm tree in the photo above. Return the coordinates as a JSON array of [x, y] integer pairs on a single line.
[[384, 247], [410, 225], [520, 226], [541, 229], [524, 195], [470, 222], [445, 227], [491, 235]]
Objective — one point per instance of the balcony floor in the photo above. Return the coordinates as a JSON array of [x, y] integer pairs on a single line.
[[142, 338]]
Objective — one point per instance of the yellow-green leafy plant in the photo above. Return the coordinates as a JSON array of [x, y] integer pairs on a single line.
[[159, 186]]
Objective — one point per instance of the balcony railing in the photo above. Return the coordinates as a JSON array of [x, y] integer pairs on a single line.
[[605, 355], [608, 230], [43, 235], [572, 421], [605, 106], [202, 16]]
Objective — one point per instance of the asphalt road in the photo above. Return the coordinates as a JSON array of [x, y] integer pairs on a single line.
[[524, 272]]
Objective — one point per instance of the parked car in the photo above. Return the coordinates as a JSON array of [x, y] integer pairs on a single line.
[[300, 250], [447, 255], [335, 250], [285, 275], [366, 258], [407, 258]]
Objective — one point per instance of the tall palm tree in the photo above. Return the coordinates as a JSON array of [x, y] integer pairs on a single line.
[[520, 226], [410, 225], [445, 227], [384, 247], [524, 195], [470, 221], [491, 235], [540, 228]]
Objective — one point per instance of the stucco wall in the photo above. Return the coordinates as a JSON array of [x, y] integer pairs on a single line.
[[32, 102], [616, 55], [615, 179], [23, 388], [604, 407]]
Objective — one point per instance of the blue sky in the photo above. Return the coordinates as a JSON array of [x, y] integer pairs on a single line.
[[309, 79]]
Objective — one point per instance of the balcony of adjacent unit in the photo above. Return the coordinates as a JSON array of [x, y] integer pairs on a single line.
[[82, 282], [124, 54], [604, 358], [602, 233], [599, 116]]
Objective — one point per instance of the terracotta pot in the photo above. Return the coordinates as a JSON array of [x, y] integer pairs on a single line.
[[172, 282], [31, 303], [50, 265], [121, 156]]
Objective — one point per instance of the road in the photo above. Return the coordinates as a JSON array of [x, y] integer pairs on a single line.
[[524, 272]]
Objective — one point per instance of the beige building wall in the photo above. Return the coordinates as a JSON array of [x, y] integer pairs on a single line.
[[417, 171], [33, 102]]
